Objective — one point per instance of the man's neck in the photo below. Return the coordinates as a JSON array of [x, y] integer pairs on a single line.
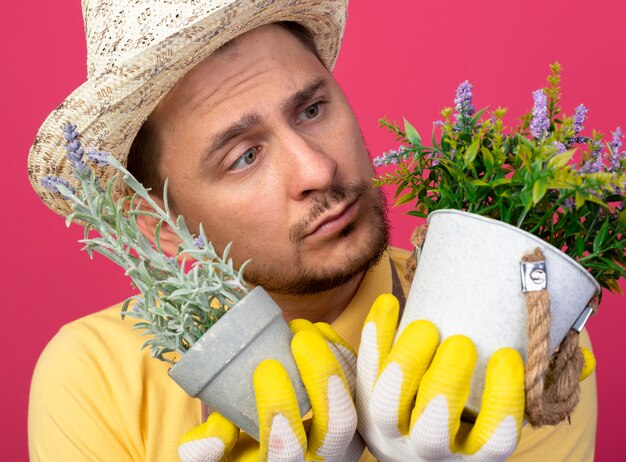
[[322, 307]]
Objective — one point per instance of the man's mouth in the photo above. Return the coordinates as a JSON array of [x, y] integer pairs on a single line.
[[335, 220]]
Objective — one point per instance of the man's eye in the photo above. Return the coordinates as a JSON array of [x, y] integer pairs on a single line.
[[311, 112], [246, 159]]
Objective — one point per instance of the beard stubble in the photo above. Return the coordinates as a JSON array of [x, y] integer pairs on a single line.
[[301, 279]]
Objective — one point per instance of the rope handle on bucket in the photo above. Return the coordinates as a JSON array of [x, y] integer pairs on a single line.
[[417, 240], [552, 381]]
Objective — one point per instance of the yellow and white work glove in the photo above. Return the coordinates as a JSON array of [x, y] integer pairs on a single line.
[[327, 366], [410, 395]]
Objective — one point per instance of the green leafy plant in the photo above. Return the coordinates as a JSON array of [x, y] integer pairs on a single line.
[[525, 176], [182, 295]]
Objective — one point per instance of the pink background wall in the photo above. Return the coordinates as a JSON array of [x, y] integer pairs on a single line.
[[402, 59]]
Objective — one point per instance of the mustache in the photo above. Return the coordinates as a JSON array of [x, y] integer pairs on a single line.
[[336, 193]]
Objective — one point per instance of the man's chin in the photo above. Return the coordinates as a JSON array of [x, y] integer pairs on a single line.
[[326, 270], [314, 280]]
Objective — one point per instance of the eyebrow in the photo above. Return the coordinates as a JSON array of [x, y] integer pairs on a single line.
[[304, 95], [251, 119], [246, 122]]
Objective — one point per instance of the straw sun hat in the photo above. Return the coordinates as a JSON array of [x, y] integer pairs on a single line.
[[138, 49]]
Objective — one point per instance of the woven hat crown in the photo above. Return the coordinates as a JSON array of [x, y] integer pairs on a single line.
[[118, 29], [137, 50]]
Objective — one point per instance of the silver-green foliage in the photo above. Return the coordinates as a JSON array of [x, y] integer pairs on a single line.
[[181, 296]]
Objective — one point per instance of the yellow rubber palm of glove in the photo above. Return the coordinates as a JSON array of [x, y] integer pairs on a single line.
[[281, 431], [410, 395]]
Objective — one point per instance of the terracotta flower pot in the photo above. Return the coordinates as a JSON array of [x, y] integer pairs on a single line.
[[468, 282], [218, 368]]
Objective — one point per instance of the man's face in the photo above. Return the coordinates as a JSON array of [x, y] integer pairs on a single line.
[[260, 146]]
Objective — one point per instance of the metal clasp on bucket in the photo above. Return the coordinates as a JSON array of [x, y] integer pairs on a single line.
[[582, 319], [534, 276], [418, 252]]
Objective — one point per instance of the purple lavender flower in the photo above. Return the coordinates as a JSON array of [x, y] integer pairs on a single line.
[[463, 106], [198, 242], [75, 155], [438, 123], [594, 164], [578, 140], [74, 150], [463, 100], [100, 158], [386, 158], [579, 118], [560, 147], [615, 157], [616, 142], [52, 182], [69, 132], [569, 203], [540, 123], [391, 157]]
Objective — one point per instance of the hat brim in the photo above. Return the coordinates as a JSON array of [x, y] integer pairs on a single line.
[[110, 108]]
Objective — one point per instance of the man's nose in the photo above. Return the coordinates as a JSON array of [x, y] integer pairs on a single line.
[[310, 168]]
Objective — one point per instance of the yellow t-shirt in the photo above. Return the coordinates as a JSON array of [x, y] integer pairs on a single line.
[[95, 396]]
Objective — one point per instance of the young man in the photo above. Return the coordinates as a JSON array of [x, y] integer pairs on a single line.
[[260, 146]]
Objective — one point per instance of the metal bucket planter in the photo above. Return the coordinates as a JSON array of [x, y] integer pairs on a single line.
[[218, 368], [468, 282]]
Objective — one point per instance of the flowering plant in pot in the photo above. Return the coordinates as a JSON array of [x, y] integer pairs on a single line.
[[199, 314], [517, 218]]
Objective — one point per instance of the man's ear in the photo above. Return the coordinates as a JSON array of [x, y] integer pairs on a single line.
[[168, 239]]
